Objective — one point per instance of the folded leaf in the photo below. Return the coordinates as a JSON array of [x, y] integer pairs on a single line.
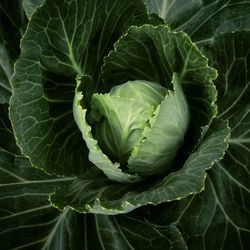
[[154, 155], [96, 156]]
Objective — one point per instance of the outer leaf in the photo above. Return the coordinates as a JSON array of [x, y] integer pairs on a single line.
[[155, 54], [203, 20], [6, 71], [125, 232], [230, 53], [222, 211], [27, 220], [30, 6], [64, 38], [12, 25], [95, 193]]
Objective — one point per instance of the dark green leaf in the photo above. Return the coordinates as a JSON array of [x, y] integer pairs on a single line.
[[64, 38], [6, 71], [203, 20], [222, 211], [27, 220], [129, 232], [95, 193], [12, 26], [230, 54]]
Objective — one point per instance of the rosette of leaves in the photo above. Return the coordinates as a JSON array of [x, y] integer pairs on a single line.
[[142, 96], [89, 109]]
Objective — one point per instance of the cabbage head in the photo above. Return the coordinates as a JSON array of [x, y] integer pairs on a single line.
[[138, 128]]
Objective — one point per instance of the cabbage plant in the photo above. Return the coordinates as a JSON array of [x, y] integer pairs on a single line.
[[124, 124]]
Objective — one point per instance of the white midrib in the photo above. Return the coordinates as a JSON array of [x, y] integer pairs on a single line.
[[25, 182], [5, 87], [51, 235], [70, 51]]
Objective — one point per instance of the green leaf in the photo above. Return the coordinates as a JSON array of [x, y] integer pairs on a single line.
[[229, 53], [14, 23], [96, 156], [14, 20], [143, 91], [30, 6], [155, 54], [27, 220], [154, 155], [222, 211], [203, 20], [63, 39], [125, 232], [95, 193], [6, 71]]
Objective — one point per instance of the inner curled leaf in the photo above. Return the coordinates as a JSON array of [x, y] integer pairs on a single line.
[[121, 116]]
